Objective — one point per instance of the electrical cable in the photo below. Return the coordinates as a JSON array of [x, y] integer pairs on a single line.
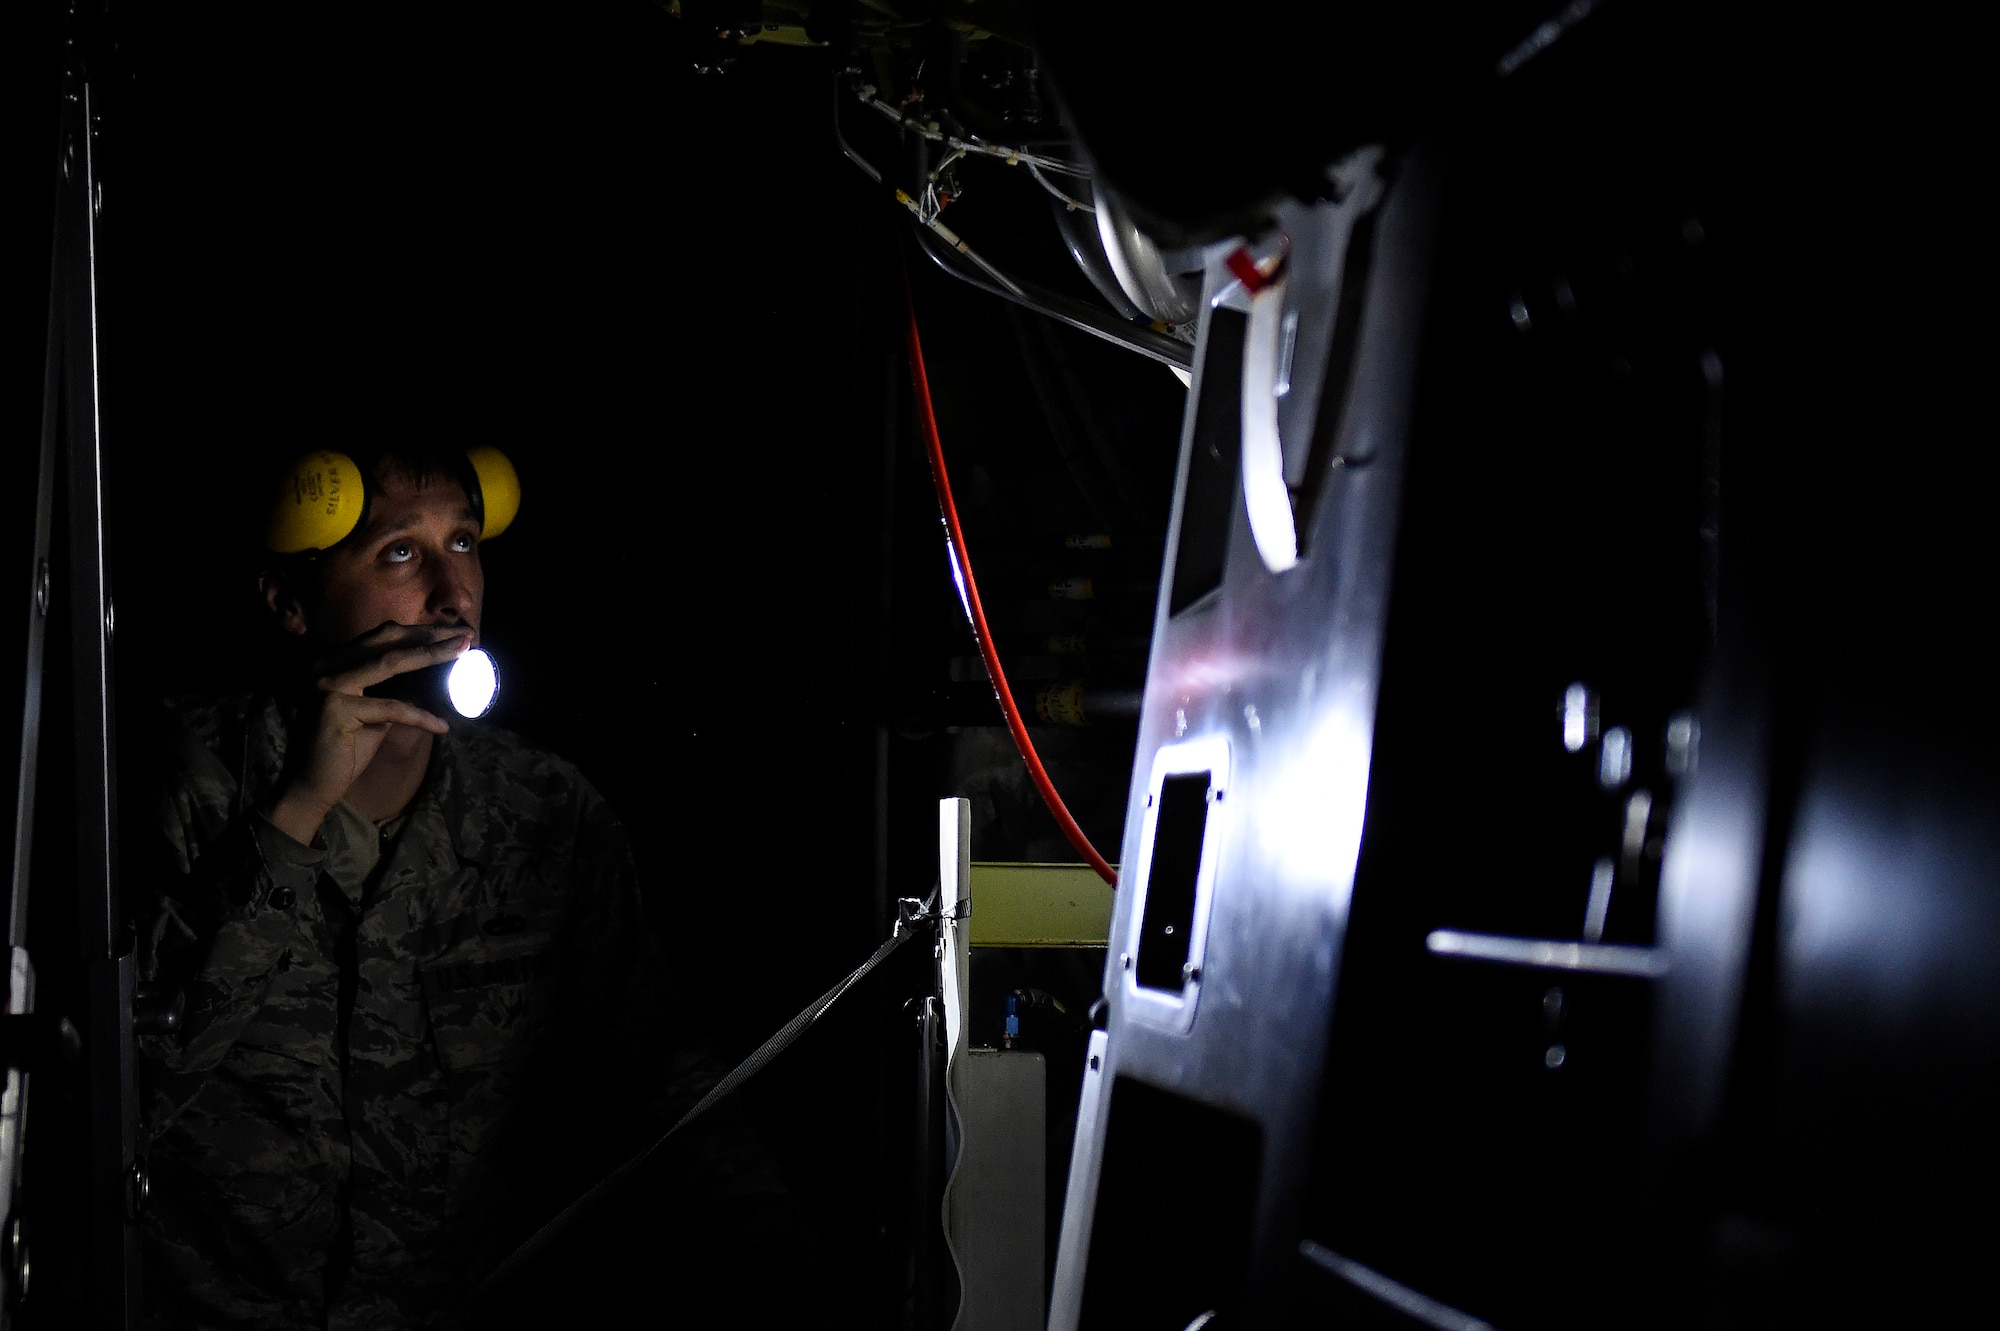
[[1077, 314], [950, 237], [930, 129], [976, 612], [1049, 185], [1151, 343]]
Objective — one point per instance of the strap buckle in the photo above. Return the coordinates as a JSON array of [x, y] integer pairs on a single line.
[[911, 912]]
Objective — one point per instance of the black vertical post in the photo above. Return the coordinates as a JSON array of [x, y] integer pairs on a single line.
[[18, 995], [117, 1182]]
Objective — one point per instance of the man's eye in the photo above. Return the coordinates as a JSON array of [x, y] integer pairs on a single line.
[[400, 553], [462, 542]]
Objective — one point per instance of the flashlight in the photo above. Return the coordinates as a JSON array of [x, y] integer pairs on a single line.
[[472, 683], [469, 684]]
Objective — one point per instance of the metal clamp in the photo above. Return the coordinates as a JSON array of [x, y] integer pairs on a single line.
[[911, 912]]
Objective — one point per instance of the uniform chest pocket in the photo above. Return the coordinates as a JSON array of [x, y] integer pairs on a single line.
[[488, 1009]]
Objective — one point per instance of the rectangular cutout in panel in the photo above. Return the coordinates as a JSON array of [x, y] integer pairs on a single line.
[[1176, 1204], [1208, 503], [1166, 929]]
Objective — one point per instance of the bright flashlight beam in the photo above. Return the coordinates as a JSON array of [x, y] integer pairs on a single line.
[[473, 683]]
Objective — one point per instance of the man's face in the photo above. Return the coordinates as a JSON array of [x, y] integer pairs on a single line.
[[415, 561]]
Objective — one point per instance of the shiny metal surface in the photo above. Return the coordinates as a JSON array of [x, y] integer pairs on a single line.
[[1616, 947], [1550, 954], [1078, 229], [1708, 899], [1290, 360], [1268, 681], [994, 1214], [1136, 262], [1824, 1052], [1067, 1290]]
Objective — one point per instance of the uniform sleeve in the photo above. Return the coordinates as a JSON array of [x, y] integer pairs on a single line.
[[225, 909]]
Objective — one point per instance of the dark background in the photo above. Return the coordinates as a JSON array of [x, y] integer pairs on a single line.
[[677, 308], [679, 311]]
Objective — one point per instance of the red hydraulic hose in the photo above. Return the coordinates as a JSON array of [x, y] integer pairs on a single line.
[[1018, 727]]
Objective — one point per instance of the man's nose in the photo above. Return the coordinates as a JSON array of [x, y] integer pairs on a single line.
[[451, 595]]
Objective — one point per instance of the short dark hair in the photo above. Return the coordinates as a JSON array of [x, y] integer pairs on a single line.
[[419, 464]]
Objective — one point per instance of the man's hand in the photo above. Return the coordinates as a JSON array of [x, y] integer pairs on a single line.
[[336, 747]]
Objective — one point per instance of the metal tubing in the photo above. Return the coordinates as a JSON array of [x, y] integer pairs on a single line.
[[1086, 250], [1152, 345]]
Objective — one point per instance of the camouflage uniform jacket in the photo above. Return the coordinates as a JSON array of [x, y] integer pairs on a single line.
[[333, 1132]]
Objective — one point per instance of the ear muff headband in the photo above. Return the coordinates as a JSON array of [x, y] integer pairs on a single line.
[[499, 489], [320, 499], [323, 497]]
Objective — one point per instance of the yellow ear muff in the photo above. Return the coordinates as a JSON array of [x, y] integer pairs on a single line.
[[320, 500], [499, 488]]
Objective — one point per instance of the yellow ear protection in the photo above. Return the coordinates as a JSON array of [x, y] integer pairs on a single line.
[[323, 497]]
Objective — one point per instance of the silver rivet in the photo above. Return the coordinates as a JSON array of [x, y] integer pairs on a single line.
[[110, 619], [1553, 1056], [42, 587], [1125, 960], [1190, 972]]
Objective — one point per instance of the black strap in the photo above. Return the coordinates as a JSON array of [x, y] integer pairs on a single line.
[[910, 913]]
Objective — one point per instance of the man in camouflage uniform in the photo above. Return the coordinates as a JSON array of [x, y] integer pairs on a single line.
[[400, 940]]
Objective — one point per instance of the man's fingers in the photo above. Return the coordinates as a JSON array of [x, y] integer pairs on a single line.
[[355, 712], [362, 653], [399, 661], [389, 634]]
